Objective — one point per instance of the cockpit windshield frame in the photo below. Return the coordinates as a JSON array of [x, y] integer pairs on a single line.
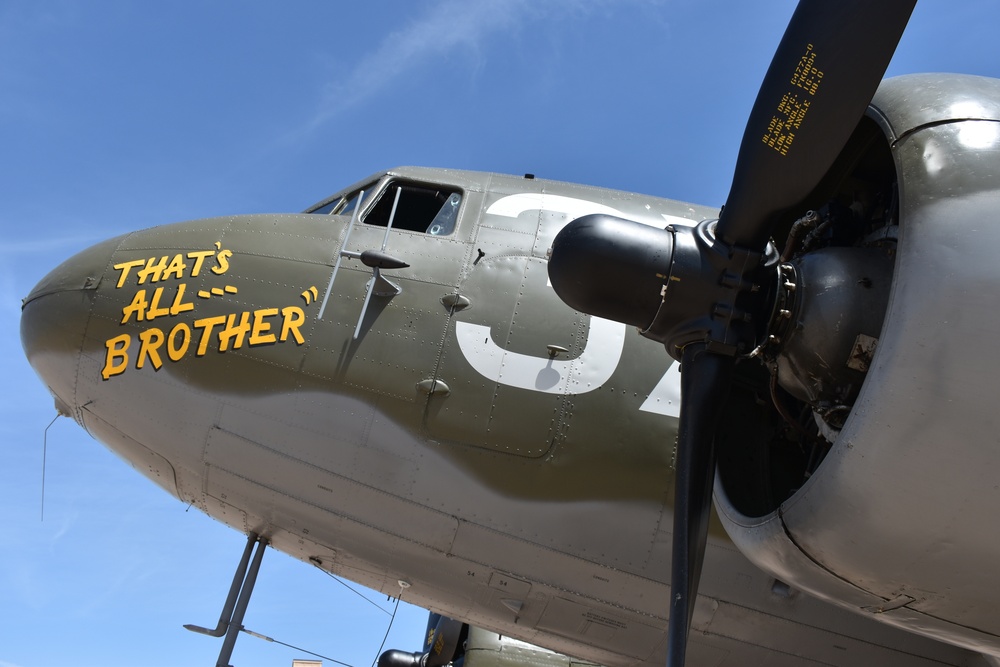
[[343, 203], [423, 207]]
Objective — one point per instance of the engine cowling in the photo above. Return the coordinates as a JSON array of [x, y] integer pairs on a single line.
[[877, 487]]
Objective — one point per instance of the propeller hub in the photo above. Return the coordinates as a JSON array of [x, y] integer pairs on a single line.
[[611, 267], [678, 285], [716, 294]]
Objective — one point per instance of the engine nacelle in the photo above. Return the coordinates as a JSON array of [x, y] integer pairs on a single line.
[[899, 520]]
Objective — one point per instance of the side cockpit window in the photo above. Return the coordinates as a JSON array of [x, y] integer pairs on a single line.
[[421, 207], [428, 209]]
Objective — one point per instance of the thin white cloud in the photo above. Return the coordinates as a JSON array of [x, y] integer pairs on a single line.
[[45, 245], [446, 27]]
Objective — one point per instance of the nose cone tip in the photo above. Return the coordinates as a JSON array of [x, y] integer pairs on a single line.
[[55, 314], [81, 271]]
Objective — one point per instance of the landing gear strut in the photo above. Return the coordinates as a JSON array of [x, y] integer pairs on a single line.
[[231, 619]]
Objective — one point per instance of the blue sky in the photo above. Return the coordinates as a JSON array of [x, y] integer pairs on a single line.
[[121, 115]]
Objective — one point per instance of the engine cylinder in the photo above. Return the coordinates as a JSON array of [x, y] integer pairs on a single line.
[[840, 299]]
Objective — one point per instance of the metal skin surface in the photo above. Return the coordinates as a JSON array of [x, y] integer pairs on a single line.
[[446, 448], [896, 520]]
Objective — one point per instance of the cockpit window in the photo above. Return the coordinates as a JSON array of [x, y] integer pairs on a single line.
[[344, 204], [327, 208], [422, 208], [425, 208], [350, 203]]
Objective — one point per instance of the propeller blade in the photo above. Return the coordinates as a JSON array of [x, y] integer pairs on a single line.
[[822, 78], [442, 641], [705, 380], [702, 293]]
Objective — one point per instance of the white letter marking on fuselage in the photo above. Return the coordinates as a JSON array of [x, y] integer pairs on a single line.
[[605, 340], [586, 373]]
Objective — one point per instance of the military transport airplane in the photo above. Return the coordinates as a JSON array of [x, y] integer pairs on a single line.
[[390, 387]]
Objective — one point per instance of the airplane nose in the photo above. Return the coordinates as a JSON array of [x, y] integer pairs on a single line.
[[54, 318]]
